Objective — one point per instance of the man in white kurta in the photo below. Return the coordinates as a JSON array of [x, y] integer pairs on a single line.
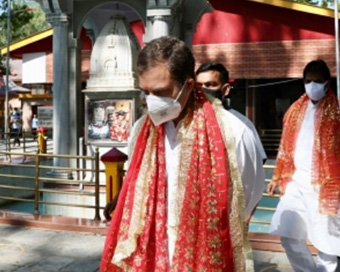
[[184, 176], [249, 162], [303, 213], [299, 205]]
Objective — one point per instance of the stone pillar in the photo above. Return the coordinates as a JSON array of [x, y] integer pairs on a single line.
[[160, 26], [61, 101], [76, 101], [160, 23], [188, 33]]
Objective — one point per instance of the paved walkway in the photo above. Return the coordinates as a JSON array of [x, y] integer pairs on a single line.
[[24, 249]]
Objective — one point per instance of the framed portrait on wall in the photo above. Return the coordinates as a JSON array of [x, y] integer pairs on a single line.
[[109, 121]]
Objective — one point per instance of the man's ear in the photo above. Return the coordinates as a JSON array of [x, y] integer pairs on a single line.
[[226, 89], [190, 84]]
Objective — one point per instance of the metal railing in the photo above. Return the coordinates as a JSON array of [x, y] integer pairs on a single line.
[[40, 175], [39, 178]]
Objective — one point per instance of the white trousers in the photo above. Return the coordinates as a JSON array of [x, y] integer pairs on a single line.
[[302, 260]]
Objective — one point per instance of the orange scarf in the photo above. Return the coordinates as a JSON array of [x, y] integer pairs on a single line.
[[137, 239], [326, 150]]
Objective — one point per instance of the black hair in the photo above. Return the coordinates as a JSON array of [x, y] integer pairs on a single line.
[[171, 50], [214, 66], [317, 66]]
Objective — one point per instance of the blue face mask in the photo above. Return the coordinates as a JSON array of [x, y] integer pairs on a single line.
[[315, 91]]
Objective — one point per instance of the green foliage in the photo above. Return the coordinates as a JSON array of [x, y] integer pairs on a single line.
[[326, 4], [307, 2], [27, 18], [2, 65], [321, 3]]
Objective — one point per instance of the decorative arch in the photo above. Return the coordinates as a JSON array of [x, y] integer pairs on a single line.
[[84, 10], [90, 24]]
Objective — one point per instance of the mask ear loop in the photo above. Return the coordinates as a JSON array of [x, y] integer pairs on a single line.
[[181, 91], [324, 85]]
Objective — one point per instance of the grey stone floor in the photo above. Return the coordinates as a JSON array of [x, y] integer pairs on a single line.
[[24, 249]]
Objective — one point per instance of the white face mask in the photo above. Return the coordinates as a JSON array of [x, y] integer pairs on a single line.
[[315, 91], [162, 109]]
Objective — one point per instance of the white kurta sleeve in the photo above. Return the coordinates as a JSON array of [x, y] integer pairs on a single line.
[[249, 159], [251, 169], [252, 128]]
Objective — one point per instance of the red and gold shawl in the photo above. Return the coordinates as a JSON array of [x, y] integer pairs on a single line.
[[137, 239], [326, 150]]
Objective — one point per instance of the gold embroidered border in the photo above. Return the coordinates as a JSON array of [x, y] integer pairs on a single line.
[[185, 136], [125, 247]]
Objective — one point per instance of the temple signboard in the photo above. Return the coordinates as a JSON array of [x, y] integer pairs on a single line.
[[109, 121]]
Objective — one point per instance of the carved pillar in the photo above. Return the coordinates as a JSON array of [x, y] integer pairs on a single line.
[[159, 21], [61, 101], [160, 26]]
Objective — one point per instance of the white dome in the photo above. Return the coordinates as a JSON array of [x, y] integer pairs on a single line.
[[114, 57]]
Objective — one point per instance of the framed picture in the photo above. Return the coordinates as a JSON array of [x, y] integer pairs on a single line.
[[109, 121]]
